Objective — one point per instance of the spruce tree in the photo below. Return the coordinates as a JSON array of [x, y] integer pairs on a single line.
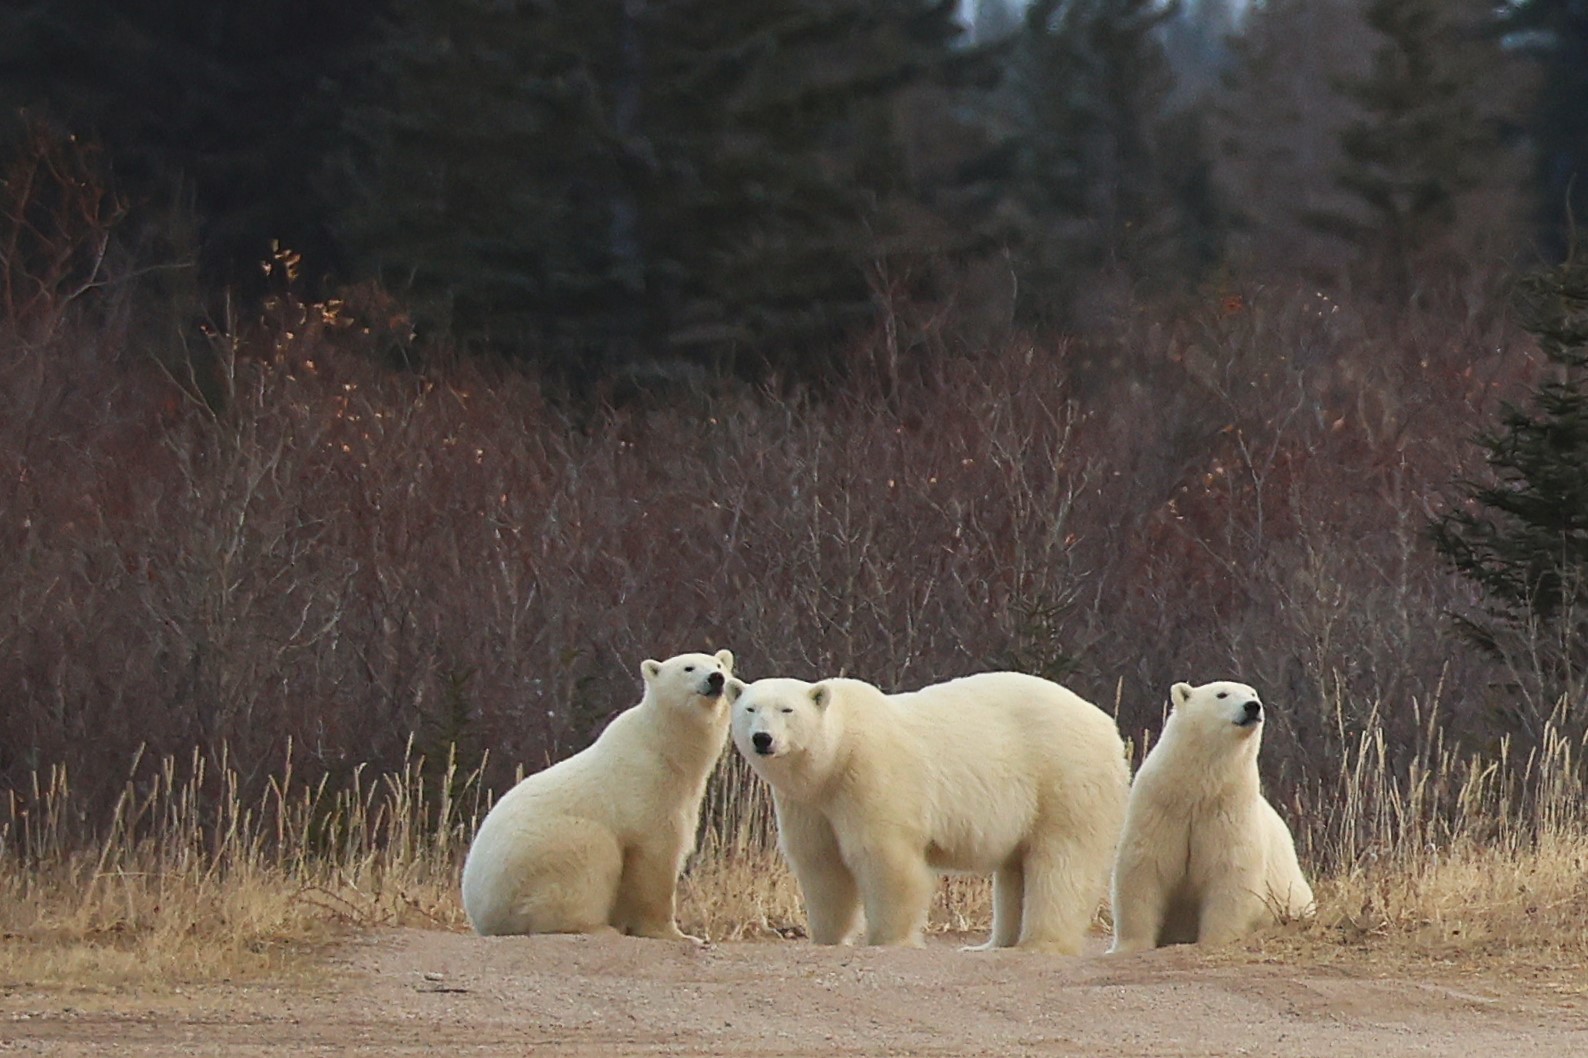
[[1522, 535], [1555, 33], [778, 170], [1106, 174], [1276, 121], [626, 187], [484, 173], [227, 106], [1425, 136]]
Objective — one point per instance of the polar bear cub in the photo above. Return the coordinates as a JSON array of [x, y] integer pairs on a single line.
[[1204, 857], [998, 773], [596, 841]]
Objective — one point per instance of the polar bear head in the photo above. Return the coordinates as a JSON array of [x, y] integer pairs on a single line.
[[694, 681], [1217, 715], [788, 730]]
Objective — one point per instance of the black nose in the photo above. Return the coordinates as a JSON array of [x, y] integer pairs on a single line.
[[1254, 711], [715, 682], [762, 742]]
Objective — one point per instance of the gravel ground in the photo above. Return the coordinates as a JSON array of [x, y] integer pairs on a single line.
[[410, 992]]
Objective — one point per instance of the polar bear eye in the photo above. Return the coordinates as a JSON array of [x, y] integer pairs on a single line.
[[788, 709], [1224, 694], [691, 668]]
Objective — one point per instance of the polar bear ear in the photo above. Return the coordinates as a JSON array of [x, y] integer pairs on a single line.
[[822, 695], [732, 689], [1180, 694], [725, 659], [650, 669]]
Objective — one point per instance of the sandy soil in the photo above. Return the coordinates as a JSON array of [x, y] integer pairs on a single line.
[[415, 992]]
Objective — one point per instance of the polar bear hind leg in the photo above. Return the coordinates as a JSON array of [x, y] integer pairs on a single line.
[[1060, 897], [565, 881]]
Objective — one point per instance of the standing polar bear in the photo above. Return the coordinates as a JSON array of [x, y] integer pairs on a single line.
[[1204, 857], [997, 773], [596, 841]]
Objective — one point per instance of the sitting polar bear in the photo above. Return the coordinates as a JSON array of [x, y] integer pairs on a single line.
[[1204, 857], [596, 841], [998, 773]]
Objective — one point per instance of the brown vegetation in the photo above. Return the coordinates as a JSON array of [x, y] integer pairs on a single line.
[[284, 616]]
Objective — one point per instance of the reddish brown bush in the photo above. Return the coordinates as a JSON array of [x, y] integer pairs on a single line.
[[299, 542]]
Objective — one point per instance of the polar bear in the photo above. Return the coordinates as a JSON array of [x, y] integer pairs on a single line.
[[596, 841], [1204, 857], [999, 773]]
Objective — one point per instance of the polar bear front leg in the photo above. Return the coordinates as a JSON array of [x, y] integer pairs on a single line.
[[832, 899], [1140, 902], [896, 888], [648, 898]]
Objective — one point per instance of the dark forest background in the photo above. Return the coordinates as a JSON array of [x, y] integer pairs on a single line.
[[400, 373]]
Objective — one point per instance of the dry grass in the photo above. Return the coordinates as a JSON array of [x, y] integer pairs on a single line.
[[190, 881], [1463, 865], [1477, 864]]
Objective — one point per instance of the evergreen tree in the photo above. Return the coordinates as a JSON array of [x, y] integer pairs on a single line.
[[1425, 137], [227, 105], [1556, 33], [780, 181], [1523, 537], [624, 185], [1277, 120], [484, 170], [1106, 175]]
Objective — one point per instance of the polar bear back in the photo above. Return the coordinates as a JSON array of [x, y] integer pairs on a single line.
[[583, 785], [1014, 746]]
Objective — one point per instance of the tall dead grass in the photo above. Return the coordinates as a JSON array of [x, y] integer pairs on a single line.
[[1472, 861], [1460, 863], [191, 878]]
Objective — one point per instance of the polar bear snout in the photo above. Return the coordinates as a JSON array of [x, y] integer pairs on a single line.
[[762, 743], [1251, 713], [714, 684]]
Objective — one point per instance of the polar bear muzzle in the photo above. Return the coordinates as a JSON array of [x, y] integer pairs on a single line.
[[1251, 714], [714, 685]]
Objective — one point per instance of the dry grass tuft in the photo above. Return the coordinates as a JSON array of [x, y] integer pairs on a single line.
[[1477, 864], [189, 881]]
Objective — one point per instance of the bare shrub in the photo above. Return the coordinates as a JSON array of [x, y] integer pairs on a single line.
[[311, 546]]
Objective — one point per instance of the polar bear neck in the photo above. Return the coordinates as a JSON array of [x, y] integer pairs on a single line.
[[692, 752], [1222, 768]]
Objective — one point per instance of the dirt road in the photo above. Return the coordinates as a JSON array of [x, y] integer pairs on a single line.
[[415, 992]]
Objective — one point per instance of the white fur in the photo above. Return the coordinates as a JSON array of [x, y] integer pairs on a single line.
[[1204, 857], [596, 841], [998, 773]]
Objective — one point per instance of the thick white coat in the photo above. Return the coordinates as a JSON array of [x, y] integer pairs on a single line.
[[999, 773], [596, 842], [1204, 857]]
